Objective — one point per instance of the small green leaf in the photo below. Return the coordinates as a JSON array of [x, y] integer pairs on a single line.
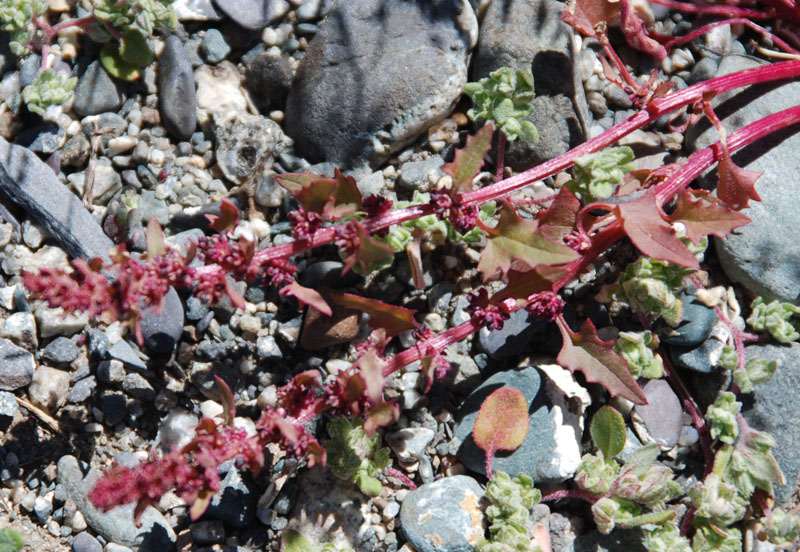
[[776, 318], [608, 431], [596, 176], [134, 49], [10, 540], [757, 370], [721, 416], [116, 66], [502, 423], [292, 541]]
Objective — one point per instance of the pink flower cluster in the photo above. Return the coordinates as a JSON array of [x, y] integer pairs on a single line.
[[462, 217], [487, 314]]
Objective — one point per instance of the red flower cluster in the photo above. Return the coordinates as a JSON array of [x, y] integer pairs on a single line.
[[304, 224], [488, 315], [545, 305], [462, 217]]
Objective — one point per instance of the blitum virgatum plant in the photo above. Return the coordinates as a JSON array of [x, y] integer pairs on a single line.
[[529, 262]]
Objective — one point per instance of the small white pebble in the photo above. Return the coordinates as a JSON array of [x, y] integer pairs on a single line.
[[276, 115], [210, 409], [156, 157], [260, 228]]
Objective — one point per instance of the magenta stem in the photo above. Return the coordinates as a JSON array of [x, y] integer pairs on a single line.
[[501, 153], [570, 493]]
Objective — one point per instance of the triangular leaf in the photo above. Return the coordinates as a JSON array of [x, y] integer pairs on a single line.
[[306, 296], [608, 431], [702, 214], [468, 160], [522, 284], [200, 504], [227, 400], [227, 219], [517, 243], [584, 15], [154, 237], [345, 199], [737, 186], [381, 415], [644, 224], [559, 219], [502, 423], [370, 368], [332, 198], [367, 250], [596, 359], [391, 318]]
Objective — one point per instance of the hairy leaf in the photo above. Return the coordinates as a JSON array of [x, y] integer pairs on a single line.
[[608, 431], [502, 423], [307, 296], [391, 318], [703, 214], [468, 160], [518, 244], [292, 541], [597, 361], [736, 186], [644, 224]]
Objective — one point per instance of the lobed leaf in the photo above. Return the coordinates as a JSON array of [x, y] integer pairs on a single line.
[[596, 359], [332, 198], [736, 186], [502, 423], [227, 219], [366, 251], [703, 214], [468, 160]]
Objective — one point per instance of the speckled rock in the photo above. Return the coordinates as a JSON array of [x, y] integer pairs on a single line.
[[762, 259], [551, 450], [246, 144], [16, 366], [444, 516], [362, 92]]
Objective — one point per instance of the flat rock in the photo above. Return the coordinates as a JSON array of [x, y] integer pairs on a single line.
[[49, 388], [96, 92], [17, 366], [765, 261], [377, 75], [662, 416], [696, 325], [775, 409], [512, 338], [176, 91], [529, 34], [154, 534], [551, 450], [250, 14], [444, 515]]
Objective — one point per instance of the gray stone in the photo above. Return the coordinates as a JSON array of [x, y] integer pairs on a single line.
[[213, 47], [105, 185], [246, 144], [366, 89], [765, 261], [250, 14], [116, 525], [696, 325], [176, 91], [266, 77], [663, 414], [151, 206], [16, 366], [775, 409], [327, 274], [207, 532], [8, 405], [32, 185], [444, 516], [49, 388], [162, 331], [234, 504], [267, 349], [419, 175], [512, 338], [176, 430], [84, 542], [529, 34], [114, 408], [138, 387], [76, 151], [551, 450], [45, 138], [82, 389], [96, 92], [20, 328], [122, 351], [32, 234], [410, 443], [629, 540], [702, 358]]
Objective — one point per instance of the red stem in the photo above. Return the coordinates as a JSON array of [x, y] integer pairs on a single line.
[[501, 153], [708, 9], [780, 43], [570, 493]]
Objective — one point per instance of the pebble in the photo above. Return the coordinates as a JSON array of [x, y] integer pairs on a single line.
[[444, 515], [662, 416], [161, 332], [246, 144], [45, 138], [84, 542], [17, 366], [176, 89], [213, 47], [420, 175], [49, 388], [250, 14], [409, 444], [96, 92], [320, 331], [82, 389], [176, 430], [20, 328], [138, 387], [696, 325], [8, 405], [207, 532], [513, 337], [235, 503]]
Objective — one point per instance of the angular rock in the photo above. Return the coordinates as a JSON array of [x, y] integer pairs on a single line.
[[122, 351], [696, 325], [702, 358], [444, 515], [49, 388], [250, 14], [176, 92], [45, 138], [116, 525], [512, 338], [376, 75], [320, 331], [214, 48], [96, 92], [84, 542], [757, 256], [246, 144], [662, 415], [410, 443], [161, 332], [529, 34], [20, 328], [551, 450], [17, 366]]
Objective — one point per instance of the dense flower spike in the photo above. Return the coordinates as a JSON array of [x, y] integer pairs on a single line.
[[545, 305], [304, 224], [488, 315], [462, 217], [279, 272]]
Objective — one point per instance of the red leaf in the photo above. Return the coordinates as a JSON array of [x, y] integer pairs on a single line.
[[522, 284], [381, 415], [468, 160], [644, 224], [597, 361], [366, 250], [584, 15], [559, 219], [331, 197], [502, 423], [345, 199], [636, 33], [703, 214], [200, 504], [518, 244], [415, 259], [227, 400], [391, 318], [737, 186], [306, 296], [228, 216], [370, 367]]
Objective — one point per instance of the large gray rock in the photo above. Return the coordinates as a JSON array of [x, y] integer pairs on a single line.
[[765, 261], [377, 75], [96, 92], [529, 34], [176, 92], [776, 408], [154, 534], [250, 14]]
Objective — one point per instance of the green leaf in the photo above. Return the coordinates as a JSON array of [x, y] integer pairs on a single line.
[[775, 317], [10, 540], [757, 370], [596, 359], [595, 176], [468, 160], [637, 349], [502, 423], [712, 538], [596, 474], [49, 88], [718, 501], [516, 243], [721, 416], [292, 541], [504, 97], [666, 538], [116, 66], [782, 528], [134, 49], [652, 286], [608, 431]]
